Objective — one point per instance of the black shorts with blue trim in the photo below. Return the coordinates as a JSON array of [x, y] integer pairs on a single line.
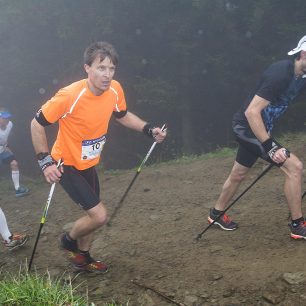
[[82, 186]]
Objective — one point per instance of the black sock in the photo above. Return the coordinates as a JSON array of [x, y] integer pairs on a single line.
[[69, 238], [217, 212], [296, 222], [86, 254], [69, 243]]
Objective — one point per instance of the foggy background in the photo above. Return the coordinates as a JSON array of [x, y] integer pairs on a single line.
[[189, 63]]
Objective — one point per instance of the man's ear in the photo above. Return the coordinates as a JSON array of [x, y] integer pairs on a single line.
[[86, 67]]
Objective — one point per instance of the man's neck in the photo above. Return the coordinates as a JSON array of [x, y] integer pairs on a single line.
[[94, 90], [298, 71]]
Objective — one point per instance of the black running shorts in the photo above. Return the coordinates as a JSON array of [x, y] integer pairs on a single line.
[[82, 186], [249, 148]]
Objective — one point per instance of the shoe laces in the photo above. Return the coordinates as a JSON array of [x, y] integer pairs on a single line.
[[90, 260], [226, 219], [97, 265], [302, 224], [16, 236]]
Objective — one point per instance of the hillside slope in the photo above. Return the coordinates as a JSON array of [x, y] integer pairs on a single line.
[[151, 239]]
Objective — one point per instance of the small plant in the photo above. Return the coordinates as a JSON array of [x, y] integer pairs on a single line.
[[26, 289], [32, 289]]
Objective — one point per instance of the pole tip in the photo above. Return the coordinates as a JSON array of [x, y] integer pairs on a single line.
[[198, 237]]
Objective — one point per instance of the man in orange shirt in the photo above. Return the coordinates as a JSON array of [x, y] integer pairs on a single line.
[[83, 110]]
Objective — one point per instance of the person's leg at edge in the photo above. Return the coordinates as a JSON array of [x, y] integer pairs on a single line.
[[15, 174], [293, 169], [11, 241], [4, 230], [20, 190]]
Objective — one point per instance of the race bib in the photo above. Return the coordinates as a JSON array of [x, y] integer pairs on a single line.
[[92, 148]]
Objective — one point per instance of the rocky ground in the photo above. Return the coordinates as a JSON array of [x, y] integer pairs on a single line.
[[151, 240]]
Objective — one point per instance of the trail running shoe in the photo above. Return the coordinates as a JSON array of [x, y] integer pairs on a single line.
[[16, 241], [80, 262], [298, 232], [93, 266], [22, 191], [76, 259], [224, 222]]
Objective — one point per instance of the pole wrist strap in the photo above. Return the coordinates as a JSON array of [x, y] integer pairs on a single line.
[[45, 160], [148, 130], [271, 146]]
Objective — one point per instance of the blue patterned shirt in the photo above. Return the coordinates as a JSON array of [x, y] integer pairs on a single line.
[[280, 87]]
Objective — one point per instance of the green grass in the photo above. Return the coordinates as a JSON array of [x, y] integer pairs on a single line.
[[26, 289], [221, 152], [185, 159], [32, 289]]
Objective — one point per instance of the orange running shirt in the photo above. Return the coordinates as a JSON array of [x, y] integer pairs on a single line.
[[83, 121]]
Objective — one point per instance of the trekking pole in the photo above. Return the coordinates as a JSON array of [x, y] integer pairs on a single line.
[[303, 195], [134, 179], [265, 171], [43, 218]]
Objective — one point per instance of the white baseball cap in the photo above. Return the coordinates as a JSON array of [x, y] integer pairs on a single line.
[[301, 46]]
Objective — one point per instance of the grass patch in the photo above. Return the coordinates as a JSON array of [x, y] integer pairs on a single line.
[[32, 289], [25, 289], [220, 152]]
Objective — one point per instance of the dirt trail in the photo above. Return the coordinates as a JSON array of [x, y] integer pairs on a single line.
[[151, 240]]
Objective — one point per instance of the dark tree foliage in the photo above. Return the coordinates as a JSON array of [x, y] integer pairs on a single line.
[[189, 63]]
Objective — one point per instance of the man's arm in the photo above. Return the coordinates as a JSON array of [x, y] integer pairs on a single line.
[[253, 114], [39, 138], [135, 123], [40, 144], [132, 121]]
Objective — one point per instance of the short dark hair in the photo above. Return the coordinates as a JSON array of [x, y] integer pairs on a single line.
[[102, 49]]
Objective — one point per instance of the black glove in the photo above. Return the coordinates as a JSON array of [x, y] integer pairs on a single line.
[[271, 146], [148, 130], [45, 160]]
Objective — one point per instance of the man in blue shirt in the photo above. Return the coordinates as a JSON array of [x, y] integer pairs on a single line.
[[252, 125]]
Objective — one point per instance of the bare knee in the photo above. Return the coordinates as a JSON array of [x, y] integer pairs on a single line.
[[98, 215], [297, 168], [237, 176], [294, 169]]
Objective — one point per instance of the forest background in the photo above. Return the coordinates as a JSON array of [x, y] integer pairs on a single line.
[[189, 63]]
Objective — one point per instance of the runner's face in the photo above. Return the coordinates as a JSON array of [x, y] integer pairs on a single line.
[[100, 75]]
